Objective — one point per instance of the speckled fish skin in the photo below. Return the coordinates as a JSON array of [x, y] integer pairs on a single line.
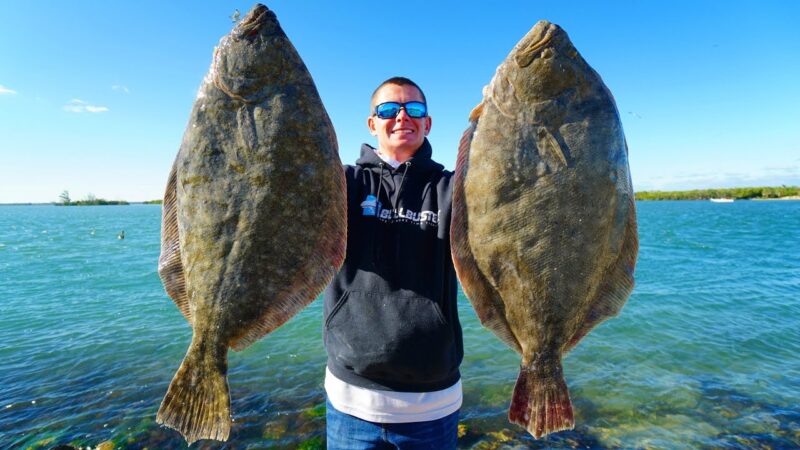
[[254, 215], [544, 230]]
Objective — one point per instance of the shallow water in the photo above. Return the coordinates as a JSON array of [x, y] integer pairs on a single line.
[[704, 355]]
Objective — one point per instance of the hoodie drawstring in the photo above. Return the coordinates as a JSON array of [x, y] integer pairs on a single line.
[[399, 188], [394, 204], [397, 242], [380, 185], [375, 246]]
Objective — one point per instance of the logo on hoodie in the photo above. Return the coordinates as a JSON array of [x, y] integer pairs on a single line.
[[370, 206]]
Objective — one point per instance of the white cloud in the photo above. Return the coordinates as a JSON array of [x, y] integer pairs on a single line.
[[120, 88], [79, 106], [95, 109], [6, 91]]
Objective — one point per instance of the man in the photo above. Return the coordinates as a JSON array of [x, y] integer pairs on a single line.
[[391, 325]]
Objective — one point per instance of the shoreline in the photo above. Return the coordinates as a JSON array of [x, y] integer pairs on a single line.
[[759, 199], [59, 205], [788, 197]]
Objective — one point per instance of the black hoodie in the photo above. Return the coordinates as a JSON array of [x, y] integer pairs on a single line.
[[391, 321]]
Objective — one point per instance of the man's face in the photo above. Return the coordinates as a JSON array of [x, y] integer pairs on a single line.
[[399, 137]]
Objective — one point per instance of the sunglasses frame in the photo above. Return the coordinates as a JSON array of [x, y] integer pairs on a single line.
[[402, 106]]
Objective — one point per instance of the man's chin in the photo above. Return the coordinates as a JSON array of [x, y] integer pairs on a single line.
[[404, 150]]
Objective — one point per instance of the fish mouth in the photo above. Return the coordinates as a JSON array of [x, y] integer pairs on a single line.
[[251, 24], [238, 67], [538, 38]]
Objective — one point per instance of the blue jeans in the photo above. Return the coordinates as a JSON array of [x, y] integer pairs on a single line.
[[346, 432]]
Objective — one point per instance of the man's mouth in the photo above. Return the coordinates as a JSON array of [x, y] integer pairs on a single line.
[[402, 131]]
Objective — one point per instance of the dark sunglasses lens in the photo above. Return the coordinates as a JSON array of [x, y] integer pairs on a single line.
[[387, 110], [416, 109]]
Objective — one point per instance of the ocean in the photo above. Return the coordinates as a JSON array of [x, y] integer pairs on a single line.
[[706, 353]]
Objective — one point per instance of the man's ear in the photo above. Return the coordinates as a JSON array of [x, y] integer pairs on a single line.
[[371, 125], [427, 125]]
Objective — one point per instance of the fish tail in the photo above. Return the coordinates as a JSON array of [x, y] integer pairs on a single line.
[[197, 403], [541, 401]]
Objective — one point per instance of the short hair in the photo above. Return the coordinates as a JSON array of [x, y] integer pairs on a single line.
[[398, 81]]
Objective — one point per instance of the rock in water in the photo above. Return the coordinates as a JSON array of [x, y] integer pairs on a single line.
[[544, 224], [254, 214]]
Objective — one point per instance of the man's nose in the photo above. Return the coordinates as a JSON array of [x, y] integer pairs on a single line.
[[404, 114]]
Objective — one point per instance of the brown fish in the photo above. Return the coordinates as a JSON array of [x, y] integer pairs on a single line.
[[254, 214], [544, 225]]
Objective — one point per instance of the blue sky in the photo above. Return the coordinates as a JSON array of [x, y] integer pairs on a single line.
[[94, 97]]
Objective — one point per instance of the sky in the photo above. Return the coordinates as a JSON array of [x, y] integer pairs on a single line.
[[95, 96]]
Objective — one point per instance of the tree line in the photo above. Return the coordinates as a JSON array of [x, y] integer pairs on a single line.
[[743, 193], [90, 200]]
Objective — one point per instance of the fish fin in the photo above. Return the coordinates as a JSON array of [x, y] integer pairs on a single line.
[[541, 402], [618, 283], [197, 403], [476, 112], [170, 267], [312, 278], [484, 298], [552, 151]]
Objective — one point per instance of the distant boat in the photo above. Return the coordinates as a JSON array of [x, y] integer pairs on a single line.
[[721, 200]]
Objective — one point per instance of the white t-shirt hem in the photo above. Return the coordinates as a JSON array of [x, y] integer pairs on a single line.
[[391, 406]]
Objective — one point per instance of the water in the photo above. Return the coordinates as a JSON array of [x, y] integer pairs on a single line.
[[706, 354]]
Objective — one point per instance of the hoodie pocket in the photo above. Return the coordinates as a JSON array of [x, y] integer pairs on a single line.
[[391, 337]]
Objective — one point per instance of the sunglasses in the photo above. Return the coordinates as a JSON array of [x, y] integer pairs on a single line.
[[390, 110]]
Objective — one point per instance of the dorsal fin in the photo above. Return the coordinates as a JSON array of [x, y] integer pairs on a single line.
[[170, 267]]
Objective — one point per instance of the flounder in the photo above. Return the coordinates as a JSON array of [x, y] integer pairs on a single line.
[[254, 214], [544, 234]]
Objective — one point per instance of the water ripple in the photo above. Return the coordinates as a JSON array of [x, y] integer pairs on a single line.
[[704, 354]]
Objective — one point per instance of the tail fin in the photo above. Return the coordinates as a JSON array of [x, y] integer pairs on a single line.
[[541, 401], [198, 403]]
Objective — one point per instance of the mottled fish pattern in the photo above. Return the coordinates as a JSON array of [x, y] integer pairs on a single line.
[[254, 214], [543, 232]]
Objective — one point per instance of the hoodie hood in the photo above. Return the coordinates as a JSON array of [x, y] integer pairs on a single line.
[[421, 161]]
